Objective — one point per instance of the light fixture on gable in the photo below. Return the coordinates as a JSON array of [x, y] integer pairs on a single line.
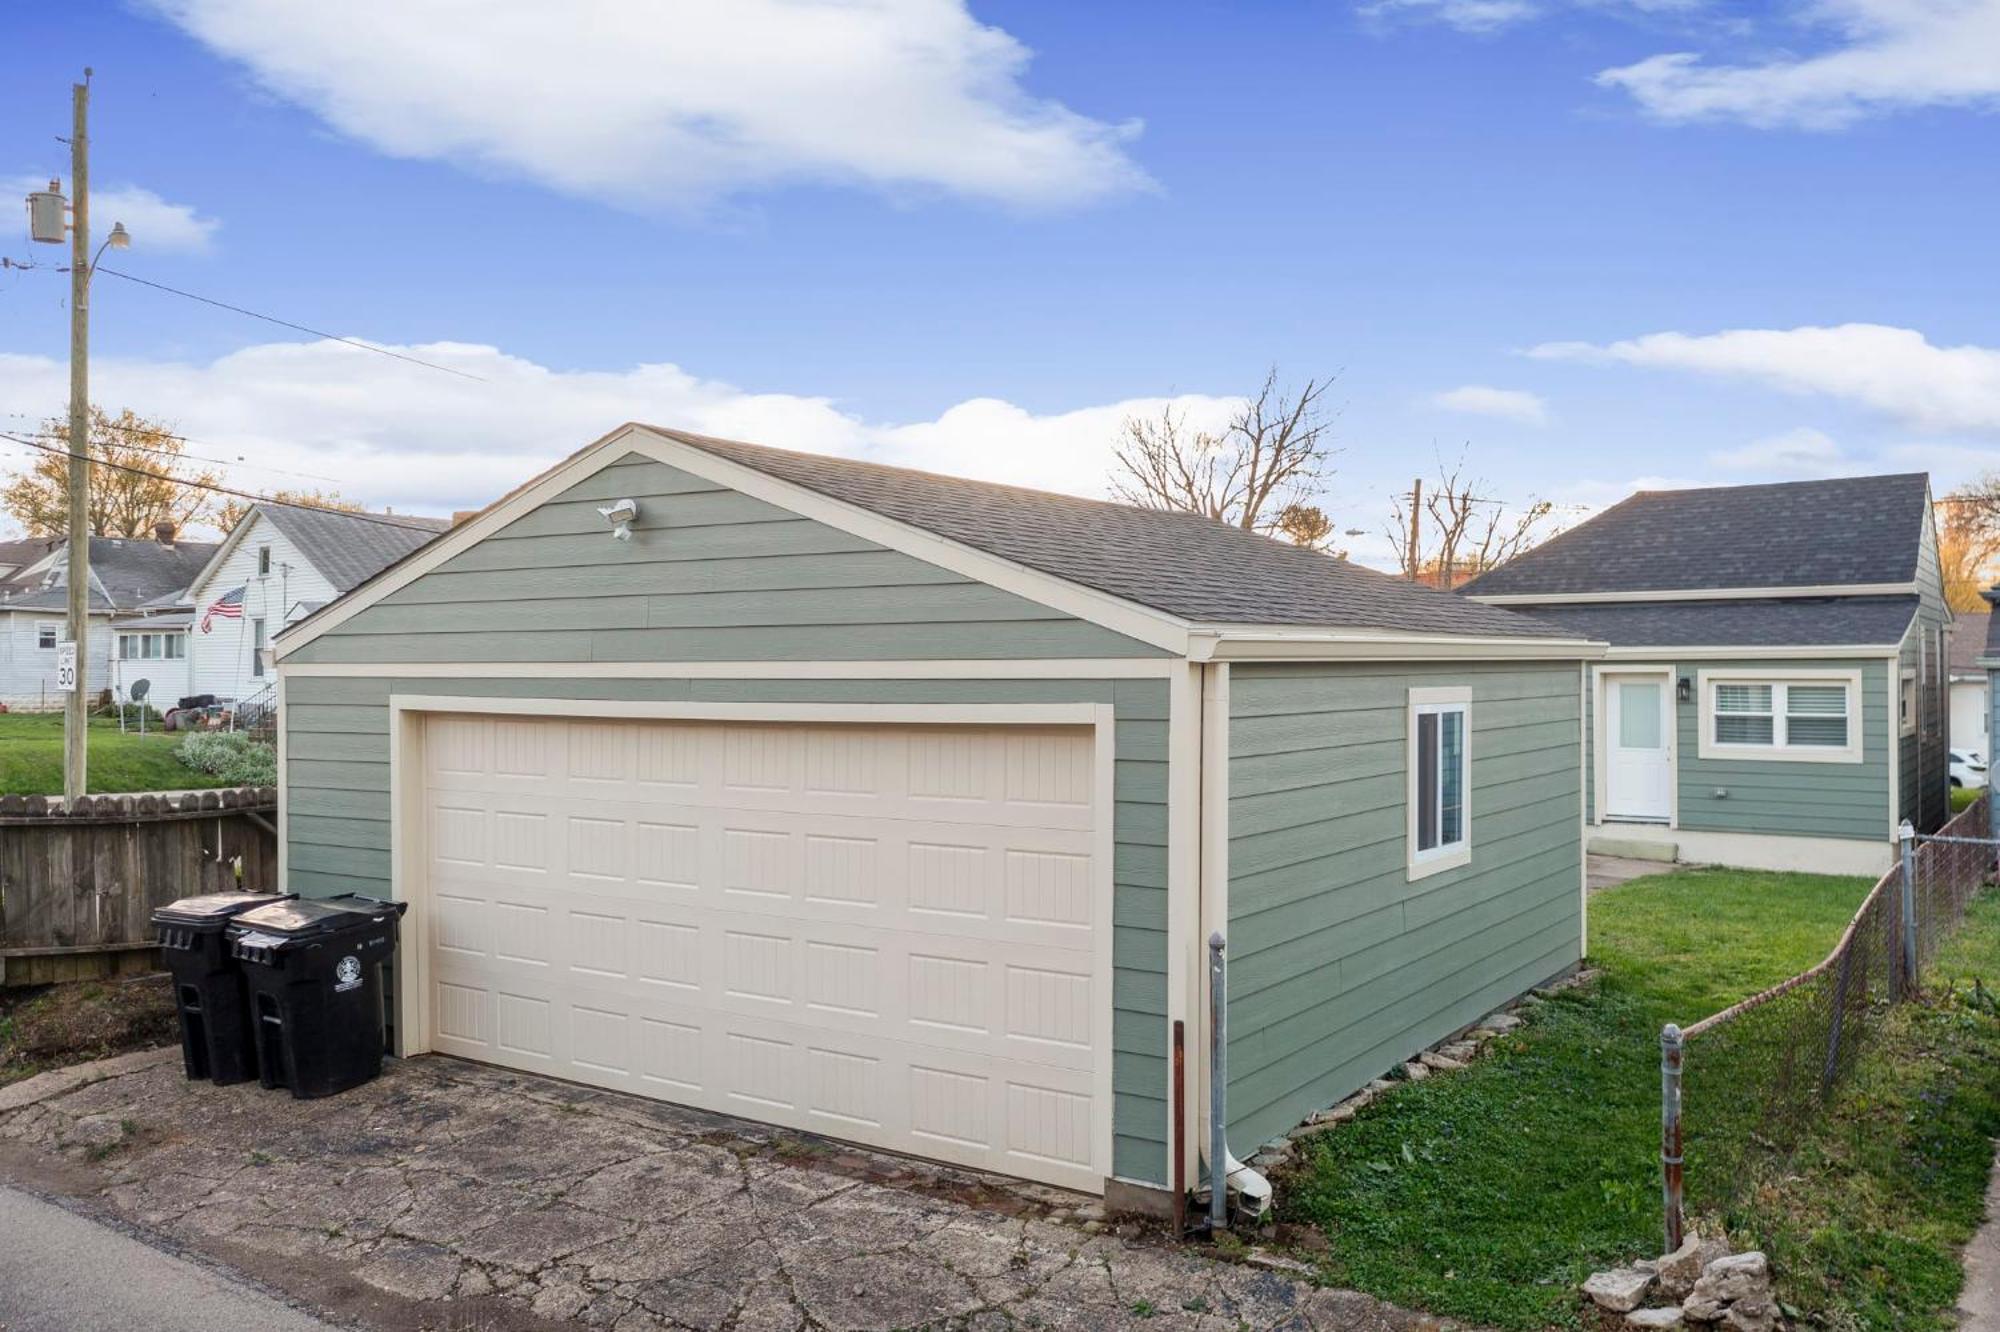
[[621, 515]]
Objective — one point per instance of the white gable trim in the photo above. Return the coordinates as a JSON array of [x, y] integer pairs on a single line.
[[1143, 623], [237, 535], [1699, 594]]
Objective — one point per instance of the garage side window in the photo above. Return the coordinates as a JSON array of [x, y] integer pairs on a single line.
[[1440, 771]]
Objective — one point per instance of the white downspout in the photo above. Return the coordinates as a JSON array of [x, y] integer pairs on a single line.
[[1251, 1186]]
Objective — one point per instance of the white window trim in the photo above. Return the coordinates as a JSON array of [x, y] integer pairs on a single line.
[[1423, 864], [47, 627], [1908, 681], [1852, 752]]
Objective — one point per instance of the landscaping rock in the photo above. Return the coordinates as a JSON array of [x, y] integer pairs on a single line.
[[1340, 1114], [1655, 1320], [1463, 1051], [1620, 1290], [1702, 1309], [1442, 1063], [1742, 1276], [1415, 1072], [1758, 1315], [1683, 1267], [1501, 1022]]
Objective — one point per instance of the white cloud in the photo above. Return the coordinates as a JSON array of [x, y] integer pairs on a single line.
[[1895, 371], [675, 103], [1803, 452], [1889, 55], [321, 415], [1507, 404], [1473, 16], [155, 224]]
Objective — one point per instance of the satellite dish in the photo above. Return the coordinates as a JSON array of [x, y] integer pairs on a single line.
[[139, 690]]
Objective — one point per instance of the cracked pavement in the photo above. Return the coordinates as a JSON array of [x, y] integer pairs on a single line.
[[448, 1195]]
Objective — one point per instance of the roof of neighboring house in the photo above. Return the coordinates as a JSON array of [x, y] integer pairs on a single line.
[[125, 572], [350, 548], [1992, 627], [1187, 565], [1968, 643], [1878, 622], [1851, 530], [17, 554]]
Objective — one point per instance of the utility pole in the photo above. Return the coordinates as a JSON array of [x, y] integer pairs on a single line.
[[1416, 527], [46, 224], [76, 708]]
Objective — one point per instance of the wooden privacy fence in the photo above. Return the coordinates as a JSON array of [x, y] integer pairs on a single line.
[[78, 886]]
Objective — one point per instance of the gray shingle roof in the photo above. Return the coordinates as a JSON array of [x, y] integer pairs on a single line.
[[132, 570], [350, 548], [1862, 529], [1968, 643], [1751, 623], [1189, 566]]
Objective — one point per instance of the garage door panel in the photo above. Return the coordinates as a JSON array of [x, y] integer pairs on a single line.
[[878, 933]]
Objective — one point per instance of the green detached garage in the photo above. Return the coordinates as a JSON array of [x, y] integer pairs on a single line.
[[896, 807]]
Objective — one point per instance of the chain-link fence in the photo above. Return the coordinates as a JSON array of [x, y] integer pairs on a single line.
[[1741, 1087]]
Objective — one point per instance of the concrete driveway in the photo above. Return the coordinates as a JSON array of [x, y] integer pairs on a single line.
[[452, 1196]]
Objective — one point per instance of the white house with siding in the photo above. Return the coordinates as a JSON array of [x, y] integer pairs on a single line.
[[277, 564], [126, 576]]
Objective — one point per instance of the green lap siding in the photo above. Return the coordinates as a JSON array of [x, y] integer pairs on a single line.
[[1340, 966], [712, 575], [1793, 799]]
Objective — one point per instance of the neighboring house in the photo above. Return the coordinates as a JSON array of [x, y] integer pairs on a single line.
[[125, 575], [897, 807], [277, 563], [1970, 722], [1774, 691]]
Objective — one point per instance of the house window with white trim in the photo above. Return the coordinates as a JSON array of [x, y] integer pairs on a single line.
[[1906, 704], [1807, 718], [45, 637], [257, 647], [1440, 772], [263, 560]]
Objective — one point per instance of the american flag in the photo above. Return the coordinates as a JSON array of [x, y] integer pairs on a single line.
[[229, 605]]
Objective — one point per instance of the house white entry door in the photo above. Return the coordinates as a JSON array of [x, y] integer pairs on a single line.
[[884, 933], [1639, 763]]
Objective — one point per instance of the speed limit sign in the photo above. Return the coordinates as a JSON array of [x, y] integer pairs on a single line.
[[65, 667]]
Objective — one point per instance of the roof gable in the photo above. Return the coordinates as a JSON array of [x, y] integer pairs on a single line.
[[1850, 531]]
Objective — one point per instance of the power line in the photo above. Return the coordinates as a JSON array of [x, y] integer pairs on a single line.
[[286, 323], [238, 461], [386, 520]]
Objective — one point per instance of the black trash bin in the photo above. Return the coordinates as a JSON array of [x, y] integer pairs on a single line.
[[208, 988], [313, 972]]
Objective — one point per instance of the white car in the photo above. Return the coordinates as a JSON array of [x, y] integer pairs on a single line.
[[1967, 768]]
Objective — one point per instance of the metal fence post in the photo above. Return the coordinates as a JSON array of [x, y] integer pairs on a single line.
[[1670, 1133], [1218, 1086], [1908, 837]]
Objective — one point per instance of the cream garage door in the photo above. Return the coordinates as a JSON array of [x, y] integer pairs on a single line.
[[889, 934]]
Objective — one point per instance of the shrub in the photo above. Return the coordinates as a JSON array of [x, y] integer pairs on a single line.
[[232, 756]]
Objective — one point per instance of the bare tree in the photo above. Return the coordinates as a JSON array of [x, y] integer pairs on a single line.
[[1458, 532], [1259, 472], [1969, 540]]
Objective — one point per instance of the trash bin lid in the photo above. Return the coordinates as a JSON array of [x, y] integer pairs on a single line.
[[301, 918], [211, 908]]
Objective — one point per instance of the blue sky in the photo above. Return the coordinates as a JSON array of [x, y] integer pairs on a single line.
[[840, 226]]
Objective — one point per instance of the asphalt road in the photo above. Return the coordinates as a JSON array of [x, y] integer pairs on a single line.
[[60, 1272]]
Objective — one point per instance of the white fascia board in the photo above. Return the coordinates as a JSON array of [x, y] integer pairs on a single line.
[[230, 542], [1698, 594], [1144, 623], [1279, 644], [1750, 652], [997, 668]]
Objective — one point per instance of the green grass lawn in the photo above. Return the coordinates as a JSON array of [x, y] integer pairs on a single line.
[[1489, 1194], [1963, 796], [31, 754]]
